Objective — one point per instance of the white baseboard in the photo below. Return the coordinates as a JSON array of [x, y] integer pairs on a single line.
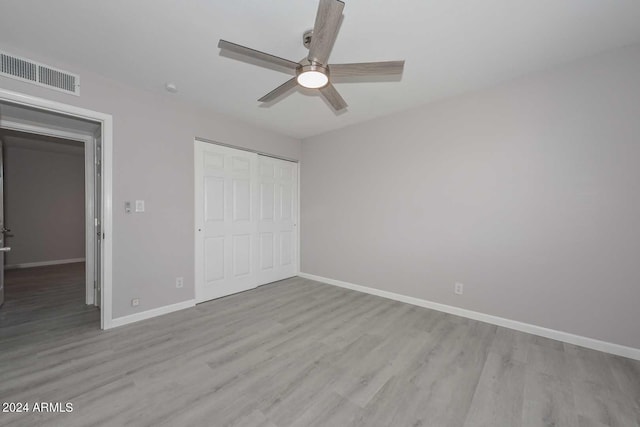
[[607, 347], [125, 320], [43, 263]]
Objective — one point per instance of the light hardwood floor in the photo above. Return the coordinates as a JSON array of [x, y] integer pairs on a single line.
[[37, 299], [301, 353]]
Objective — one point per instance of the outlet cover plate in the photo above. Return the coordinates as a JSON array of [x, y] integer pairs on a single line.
[[458, 288]]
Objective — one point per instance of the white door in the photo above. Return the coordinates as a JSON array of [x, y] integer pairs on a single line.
[[97, 209], [277, 219], [226, 226]]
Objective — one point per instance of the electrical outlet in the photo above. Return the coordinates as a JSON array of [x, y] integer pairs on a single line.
[[179, 282], [458, 288], [135, 302]]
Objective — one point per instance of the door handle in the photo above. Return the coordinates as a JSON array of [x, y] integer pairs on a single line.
[[7, 249], [5, 230]]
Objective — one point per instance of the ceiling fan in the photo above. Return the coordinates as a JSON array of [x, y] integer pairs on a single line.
[[314, 71]]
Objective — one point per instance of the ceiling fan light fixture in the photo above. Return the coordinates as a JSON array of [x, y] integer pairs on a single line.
[[312, 76], [314, 71]]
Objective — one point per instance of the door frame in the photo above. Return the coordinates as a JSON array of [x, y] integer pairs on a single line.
[[106, 219], [195, 224]]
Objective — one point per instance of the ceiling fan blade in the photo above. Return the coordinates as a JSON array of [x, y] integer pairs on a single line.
[[280, 90], [333, 97], [366, 69], [256, 54], [325, 30]]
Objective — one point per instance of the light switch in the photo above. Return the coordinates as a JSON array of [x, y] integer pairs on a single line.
[[139, 205]]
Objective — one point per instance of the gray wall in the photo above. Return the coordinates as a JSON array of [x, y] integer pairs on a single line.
[[528, 193], [153, 161], [44, 205]]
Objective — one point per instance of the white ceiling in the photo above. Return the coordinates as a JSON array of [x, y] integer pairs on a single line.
[[450, 47]]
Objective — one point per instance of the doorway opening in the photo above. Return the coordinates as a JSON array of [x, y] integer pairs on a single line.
[[45, 242], [53, 239]]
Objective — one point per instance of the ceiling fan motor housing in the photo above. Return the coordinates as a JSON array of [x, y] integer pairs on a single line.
[[313, 67]]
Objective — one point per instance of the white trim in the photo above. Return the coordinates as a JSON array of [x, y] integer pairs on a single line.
[[106, 126], [197, 168], [43, 263], [44, 130], [249, 150], [106, 270], [132, 318], [298, 223], [89, 221], [607, 347]]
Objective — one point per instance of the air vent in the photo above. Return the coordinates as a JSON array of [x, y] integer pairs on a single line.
[[39, 74]]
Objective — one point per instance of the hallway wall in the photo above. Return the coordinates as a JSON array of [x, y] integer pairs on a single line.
[[44, 205]]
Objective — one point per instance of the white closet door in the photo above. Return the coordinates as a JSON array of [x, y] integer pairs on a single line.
[[226, 236], [277, 219]]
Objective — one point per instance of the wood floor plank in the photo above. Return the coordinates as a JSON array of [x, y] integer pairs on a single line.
[[394, 404], [329, 409], [499, 395], [294, 353], [548, 401]]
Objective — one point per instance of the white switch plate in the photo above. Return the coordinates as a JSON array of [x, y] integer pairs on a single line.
[[139, 205], [135, 302], [458, 288], [179, 282]]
